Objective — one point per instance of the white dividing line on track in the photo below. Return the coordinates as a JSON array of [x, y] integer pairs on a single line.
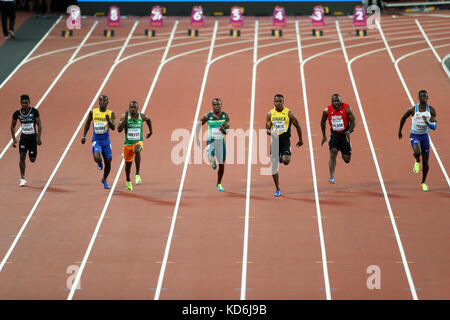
[[55, 81], [116, 179], [249, 168], [428, 41], [186, 163], [25, 60], [313, 169], [380, 176], [405, 87], [16, 239]]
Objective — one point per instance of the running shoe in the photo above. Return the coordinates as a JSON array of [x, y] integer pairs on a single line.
[[129, 186], [416, 168], [425, 187], [138, 179], [280, 159], [12, 34], [220, 188], [277, 194], [105, 184], [331, 180], [100, 165], [23, 183], [214, 165]]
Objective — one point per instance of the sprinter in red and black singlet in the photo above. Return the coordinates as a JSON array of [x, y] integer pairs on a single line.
[[30, 138], [342, 122]]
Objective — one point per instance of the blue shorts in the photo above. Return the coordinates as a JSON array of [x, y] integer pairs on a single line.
[[423, 140], [103, 146]]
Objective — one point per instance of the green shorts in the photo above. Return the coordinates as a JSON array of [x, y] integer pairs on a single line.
[[217, 148]]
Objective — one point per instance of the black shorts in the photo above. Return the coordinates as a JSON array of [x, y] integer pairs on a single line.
[[28, 143], [339, 141], [285, 147]]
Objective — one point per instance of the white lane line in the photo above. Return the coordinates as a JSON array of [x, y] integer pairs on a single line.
[[313, 169], [16, 239], [408, 93], [25, 60], [384, 40], [55, 81], [249, 168], [122, 163], [186, 163], [428, 41], [380, 176]]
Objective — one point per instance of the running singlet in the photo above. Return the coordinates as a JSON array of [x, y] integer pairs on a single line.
[[27, 121], [418, 126], [338, 118], [101, 126], [133, 130], [280, 121], [214, 124]]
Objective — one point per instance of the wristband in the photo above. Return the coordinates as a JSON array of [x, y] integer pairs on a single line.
[[432, 125]]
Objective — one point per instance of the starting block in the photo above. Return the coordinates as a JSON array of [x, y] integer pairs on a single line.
[[150, 33], [317, 33], [108, 33], [193, 33], [235, 33], [361, 33], [277, 33], [66, 33]]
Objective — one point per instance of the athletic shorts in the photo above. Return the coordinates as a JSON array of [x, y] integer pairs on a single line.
[[28, 143], [282, 144], [339, 141], [217, 148], [128, 151], [103, 146], [423, 140]]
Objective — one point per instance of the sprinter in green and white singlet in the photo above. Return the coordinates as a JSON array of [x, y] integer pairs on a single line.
[[218, 125]]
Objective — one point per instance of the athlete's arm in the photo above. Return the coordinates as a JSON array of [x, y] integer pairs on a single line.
[[202, 121], [268, 124], [226, 125], [111, 121], [296, 124], [86, 127], [122, 122], [352, 119], [323, 124], [13, 133], [149, 124], [432, 123], [39, 124], [409, 112]]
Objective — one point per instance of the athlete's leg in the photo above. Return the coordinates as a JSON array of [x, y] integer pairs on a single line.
[[220, 173], [276, 181], [22, 164], [332, 163], [128, 170], [286, 158], [425, 166], [416, 151], [346, 157], [107, 167], [137, 157]]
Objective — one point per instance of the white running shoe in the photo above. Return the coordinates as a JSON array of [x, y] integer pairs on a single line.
[[23, 183]]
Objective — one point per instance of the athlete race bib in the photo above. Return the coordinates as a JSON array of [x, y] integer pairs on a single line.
[[100, 127], [338, 124], [279, 126], [420, 124], [134, 133], [28, 128], [216, 133]]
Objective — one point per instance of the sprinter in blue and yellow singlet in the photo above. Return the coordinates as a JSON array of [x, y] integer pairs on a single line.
[[218, 125], [278, 126], [103, 120]]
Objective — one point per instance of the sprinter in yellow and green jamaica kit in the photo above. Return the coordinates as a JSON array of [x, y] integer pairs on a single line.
[[133, 122], [218, 125], [278, 126]]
